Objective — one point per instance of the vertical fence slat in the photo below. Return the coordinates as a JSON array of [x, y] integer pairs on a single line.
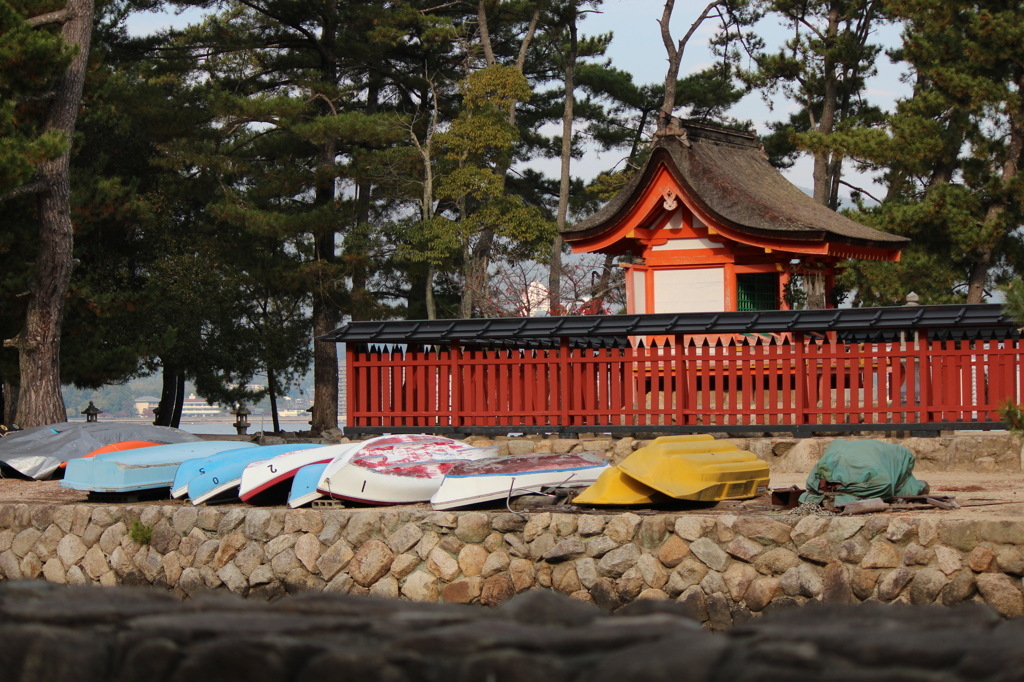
[[707, 381]]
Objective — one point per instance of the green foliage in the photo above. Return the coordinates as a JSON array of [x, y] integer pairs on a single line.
[[823, 68], [793, 293], [33, 60], [949, 155], [140, 533], [1013, 416], [1013, 292]]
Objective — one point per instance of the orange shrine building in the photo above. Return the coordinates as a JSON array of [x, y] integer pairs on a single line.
[[709, 225]]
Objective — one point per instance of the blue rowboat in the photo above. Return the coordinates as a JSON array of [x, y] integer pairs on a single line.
[[219, 476], [200, 466], [142, 469], [304, 485]]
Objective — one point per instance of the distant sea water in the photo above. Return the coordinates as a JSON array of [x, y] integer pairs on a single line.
[[225, 428], [219, 428]]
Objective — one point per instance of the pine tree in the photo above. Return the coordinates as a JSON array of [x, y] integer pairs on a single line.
[[950, 154], [42, 90], [823, 68]]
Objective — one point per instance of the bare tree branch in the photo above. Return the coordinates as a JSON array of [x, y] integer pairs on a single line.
[[61, 16], [31, 188], [866, 193], [675, 50], [42, 97], [527, 39]]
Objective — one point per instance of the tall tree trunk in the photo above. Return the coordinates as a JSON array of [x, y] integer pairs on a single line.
[[272, 391], [1014, 149], [675, 52], [431, 306], [478, 258], [38, 342], [603, 286], [172, 396], [555, 272], [827, 120], [9, 410], [325, 310], [179, 399], [168, 395], [426, 150], [979, 275]]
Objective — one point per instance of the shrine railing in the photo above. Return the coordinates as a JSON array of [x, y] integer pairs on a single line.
[[803, 381]]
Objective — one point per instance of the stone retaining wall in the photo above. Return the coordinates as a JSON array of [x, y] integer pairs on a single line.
[[724, 568], [985, 451]]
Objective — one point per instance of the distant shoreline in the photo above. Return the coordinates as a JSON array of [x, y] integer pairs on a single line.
[[202, 420], [222, 426]]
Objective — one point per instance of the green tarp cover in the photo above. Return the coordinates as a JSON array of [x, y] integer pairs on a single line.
[[864, 469]]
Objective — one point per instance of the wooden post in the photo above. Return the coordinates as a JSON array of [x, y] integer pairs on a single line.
[[455, 376], [800, 377], [731, 288], [923, 375], [350, 386], [680, 379], [563, 380]]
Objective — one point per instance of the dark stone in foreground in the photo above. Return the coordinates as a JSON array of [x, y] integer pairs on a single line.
[[87, 634]]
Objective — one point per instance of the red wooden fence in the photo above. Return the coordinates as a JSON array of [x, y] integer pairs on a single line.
[[792, 380]]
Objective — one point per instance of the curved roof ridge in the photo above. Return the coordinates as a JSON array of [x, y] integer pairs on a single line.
[[727, 173]]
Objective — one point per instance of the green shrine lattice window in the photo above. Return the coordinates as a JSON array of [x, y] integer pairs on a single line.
[[757, 291]]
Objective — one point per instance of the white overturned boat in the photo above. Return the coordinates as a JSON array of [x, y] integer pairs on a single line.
[[272, 478], [261, 478], [502, 477], [397, 473]]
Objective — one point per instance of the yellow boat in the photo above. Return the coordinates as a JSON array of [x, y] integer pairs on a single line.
[[688, 438], [683, 468], [615, 487]]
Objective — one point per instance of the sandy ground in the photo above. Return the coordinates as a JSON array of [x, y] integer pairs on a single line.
[[975, 492], [982, 495]]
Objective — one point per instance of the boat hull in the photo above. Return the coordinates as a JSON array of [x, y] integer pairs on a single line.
[[699, 472], [358, 484], [614, 487], [399, 473], [487, 480], [197, 478], [137, 470], [304, 490], [259, 479], [39, 451]]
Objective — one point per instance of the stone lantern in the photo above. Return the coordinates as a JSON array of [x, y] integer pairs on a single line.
[[92, 413], [242, 418]]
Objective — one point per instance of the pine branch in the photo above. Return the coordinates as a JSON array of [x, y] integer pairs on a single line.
[[42, 97], [862, 191], [61, 16], [31, 188]]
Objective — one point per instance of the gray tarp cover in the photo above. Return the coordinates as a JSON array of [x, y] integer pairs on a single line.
[[864, 469], [37, 452]]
